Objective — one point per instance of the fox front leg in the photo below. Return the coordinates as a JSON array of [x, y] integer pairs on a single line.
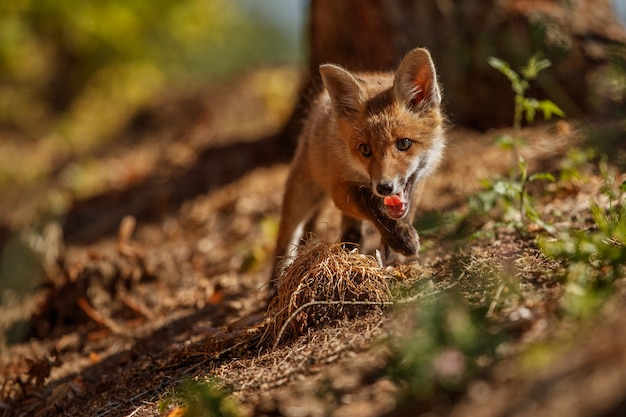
[[399, 235], [301, 203], [360, 202]]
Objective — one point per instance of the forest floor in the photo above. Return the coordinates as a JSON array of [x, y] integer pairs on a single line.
[[156, 283]]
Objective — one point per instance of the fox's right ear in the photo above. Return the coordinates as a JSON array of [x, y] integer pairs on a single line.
[[344, 90]]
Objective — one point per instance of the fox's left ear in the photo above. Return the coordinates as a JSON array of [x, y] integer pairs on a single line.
[[415, 84]]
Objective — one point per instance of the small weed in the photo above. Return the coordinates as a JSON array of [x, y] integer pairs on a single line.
[[520, 82], [512, 196], [576, 164], [511, 192], [203, 399], [597, 256]]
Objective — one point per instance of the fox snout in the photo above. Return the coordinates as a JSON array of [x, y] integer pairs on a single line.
[[396, 195], [386, 188]]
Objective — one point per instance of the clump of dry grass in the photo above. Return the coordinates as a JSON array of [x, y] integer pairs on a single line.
[[324, 283]]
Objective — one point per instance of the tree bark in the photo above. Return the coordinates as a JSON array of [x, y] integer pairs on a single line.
[[582, 38]]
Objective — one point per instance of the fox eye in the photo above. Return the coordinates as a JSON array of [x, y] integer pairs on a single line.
[[404, 144], [365, 149]]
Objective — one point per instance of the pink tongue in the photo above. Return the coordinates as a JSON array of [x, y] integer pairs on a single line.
[[393, 201], [396, 206]]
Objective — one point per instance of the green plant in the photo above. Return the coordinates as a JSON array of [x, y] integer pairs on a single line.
[[520, 82], [512, 191], [524, 106], [511, 194], [577, 164], [595, 257], [203, 399]]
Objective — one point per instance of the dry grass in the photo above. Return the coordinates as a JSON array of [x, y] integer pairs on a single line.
[[325, 282]]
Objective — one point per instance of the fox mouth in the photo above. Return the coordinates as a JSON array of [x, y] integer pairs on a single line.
[[398, 204]]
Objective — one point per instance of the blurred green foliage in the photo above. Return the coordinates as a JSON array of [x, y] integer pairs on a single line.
[[596, 256], [511, 192], [444, 350], [203, 399], [78, 69]]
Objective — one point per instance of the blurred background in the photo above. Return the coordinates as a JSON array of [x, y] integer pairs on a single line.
[[620, 8], [72, 75], [103, 103]]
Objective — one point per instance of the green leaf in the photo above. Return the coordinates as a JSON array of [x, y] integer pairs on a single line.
[[541, 176], [523, 168], [533, 216], [534, 67], [505, 141], [600, 217], [543, 64], [530, 105], [504, 68], [549, 108]]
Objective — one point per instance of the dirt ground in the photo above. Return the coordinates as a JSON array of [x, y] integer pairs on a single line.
[[162, 279]]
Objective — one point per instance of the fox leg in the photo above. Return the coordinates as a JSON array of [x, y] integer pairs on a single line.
[[388, 255], [360, 202], [309, 226], [350, 231], [301, 204]]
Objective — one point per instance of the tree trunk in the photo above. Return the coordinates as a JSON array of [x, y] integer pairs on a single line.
[[582, 38]]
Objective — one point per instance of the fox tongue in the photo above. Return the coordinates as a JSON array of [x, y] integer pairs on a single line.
[[395, 204], [393, 200]]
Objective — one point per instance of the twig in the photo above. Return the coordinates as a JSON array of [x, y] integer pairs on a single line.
[[125, 246], [135, 411], [135, 305], [327, 302], [100, 318], [494, 303]]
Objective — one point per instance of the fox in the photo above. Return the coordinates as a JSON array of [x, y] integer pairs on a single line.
[[368, 143]]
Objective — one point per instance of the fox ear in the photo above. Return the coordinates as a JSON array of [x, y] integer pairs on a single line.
[[415, 84], [343, 88]]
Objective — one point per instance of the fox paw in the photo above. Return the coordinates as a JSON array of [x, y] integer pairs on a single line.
[[404, 240], [388, 257]]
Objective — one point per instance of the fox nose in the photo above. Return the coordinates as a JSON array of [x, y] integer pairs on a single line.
[[384, 188]]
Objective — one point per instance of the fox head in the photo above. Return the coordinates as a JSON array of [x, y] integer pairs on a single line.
[[391, 124]]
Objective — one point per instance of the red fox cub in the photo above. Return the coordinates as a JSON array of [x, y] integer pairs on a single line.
[[368, 142]]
